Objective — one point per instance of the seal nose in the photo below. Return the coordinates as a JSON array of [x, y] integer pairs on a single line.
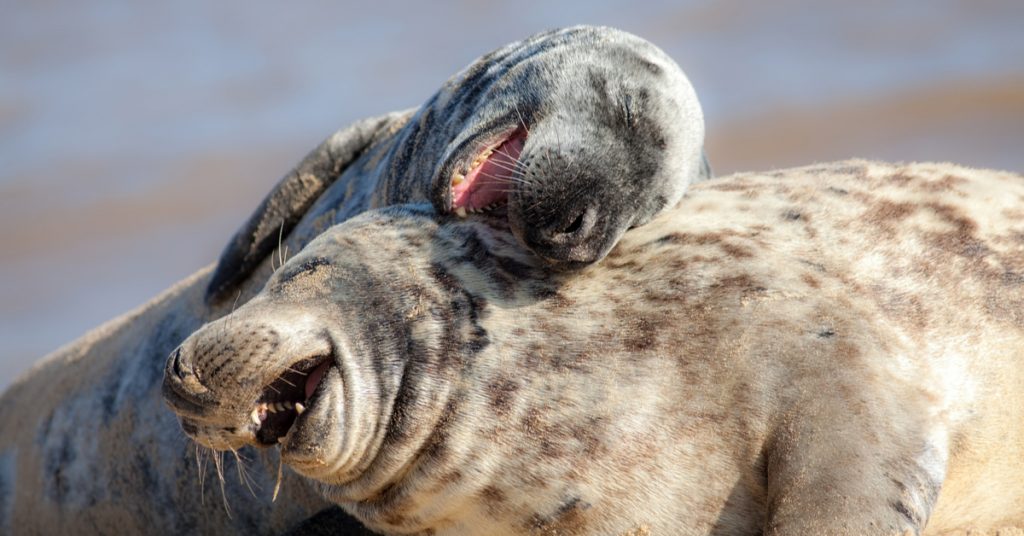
[[181, 386], [571, 242]]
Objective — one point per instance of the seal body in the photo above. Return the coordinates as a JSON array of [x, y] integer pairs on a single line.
[[826, 350], [570, 137]]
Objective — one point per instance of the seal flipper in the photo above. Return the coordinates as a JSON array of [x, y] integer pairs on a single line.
[[285, 205]]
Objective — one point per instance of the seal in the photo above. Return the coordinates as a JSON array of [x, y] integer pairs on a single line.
[[834, 349], [86, 444], [575, 135]]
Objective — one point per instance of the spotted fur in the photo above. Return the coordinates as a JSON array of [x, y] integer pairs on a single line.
[[834, 349], [613, 135]]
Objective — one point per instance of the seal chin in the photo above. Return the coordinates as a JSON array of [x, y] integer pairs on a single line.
[[484, 183]]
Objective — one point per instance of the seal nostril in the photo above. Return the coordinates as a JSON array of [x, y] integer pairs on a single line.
[[576, 225], [180, 369]]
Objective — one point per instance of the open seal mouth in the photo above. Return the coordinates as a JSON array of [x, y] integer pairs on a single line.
[[485, 184], [285, 399]]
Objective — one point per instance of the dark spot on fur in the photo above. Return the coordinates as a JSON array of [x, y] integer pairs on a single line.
[[791, 215], [837, 191], [810, 280], [826, 333], [888, 214], [900, 178], [816, 265], [502, 393], [640, 335], [560, 302], [947, 183], [735, 251], [732, 185], [1012, 278], [961, 240], [493, 498], [436, 448], [450, 477], [569, 518]]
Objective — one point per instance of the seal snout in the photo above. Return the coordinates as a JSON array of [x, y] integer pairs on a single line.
[[241, 380]]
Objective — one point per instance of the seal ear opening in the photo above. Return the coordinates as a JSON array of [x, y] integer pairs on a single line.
[[289, 200]]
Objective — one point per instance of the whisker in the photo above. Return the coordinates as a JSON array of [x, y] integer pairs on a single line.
[[200, 469], [505, 166], [242, 476], [521, 121], [506, 178], [218, 461], [280, 236], [227, 323], [280, 472]]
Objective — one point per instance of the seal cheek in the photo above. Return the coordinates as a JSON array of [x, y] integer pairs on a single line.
[[314, 445]]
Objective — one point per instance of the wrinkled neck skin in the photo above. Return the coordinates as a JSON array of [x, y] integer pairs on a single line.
[[410, 356]]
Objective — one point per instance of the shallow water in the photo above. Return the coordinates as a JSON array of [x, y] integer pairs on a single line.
[[135, 137]]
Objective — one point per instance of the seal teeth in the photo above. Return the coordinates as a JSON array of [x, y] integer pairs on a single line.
[[458, 179], [255, 416], [461, 212], [299, 408]]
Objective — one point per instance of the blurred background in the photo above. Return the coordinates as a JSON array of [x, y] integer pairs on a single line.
[[136, 136]]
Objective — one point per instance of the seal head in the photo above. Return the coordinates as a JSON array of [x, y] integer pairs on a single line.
[[579, 134]]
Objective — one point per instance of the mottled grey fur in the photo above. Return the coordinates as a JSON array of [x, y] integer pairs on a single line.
[[615, 135], [826, 350]]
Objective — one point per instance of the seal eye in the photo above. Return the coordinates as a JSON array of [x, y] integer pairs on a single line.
[[305, 268]]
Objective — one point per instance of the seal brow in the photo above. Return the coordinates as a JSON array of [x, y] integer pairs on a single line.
[[306, 267]]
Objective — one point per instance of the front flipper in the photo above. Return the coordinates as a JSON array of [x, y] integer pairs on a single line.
[[285, 205], [858, 462]]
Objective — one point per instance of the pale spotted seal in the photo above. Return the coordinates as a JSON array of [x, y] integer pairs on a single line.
[[576, 134], [826, 350]]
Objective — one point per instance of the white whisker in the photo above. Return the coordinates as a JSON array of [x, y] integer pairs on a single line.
[[218, 461]]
